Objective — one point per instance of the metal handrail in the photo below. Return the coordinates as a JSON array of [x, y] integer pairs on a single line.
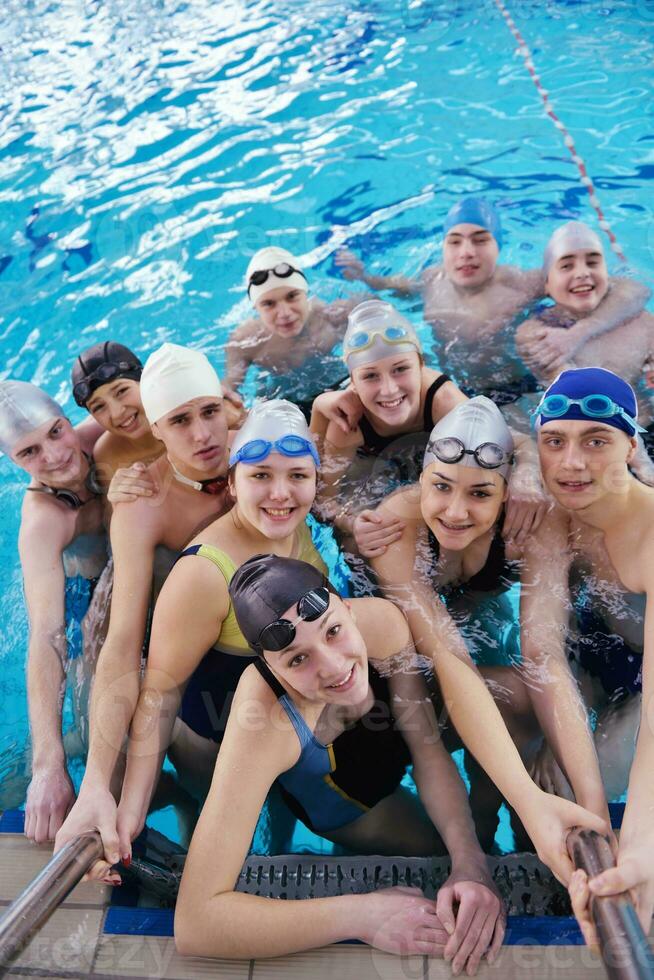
[[624, 947], [38, 901]]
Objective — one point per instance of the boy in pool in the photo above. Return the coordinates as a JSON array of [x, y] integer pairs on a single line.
[[577, 280], [183, 401], [471, 303], [594, 554], [292, 339], [61, 535]]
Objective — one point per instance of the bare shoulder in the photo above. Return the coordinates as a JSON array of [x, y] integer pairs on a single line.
[[431, 273], [250, 330], [89, 431], [45, 524], [403, 504], [336, 439], [382, 625], [140, 522]]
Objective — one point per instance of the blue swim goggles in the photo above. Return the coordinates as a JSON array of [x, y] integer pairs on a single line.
[[257, 450], [362, 339], [592, 406]]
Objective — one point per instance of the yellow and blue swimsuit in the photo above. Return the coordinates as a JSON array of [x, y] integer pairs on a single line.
[[332, 785], [210, 690]]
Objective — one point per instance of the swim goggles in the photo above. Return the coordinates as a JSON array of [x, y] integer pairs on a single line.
[[592, 406], [362, 339], [83, 390], [280, 634], [257, 450], [282, 271], [488, 455]]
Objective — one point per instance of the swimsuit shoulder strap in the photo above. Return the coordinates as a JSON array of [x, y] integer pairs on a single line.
[[220, 559], [432, 391], [307, 551], [302, 730]]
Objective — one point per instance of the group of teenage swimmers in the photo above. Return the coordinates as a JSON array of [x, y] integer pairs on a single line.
[[215, 636]]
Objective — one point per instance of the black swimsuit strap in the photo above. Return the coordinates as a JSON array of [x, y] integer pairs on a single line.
[[432, 391], [269, 678], [494, 569]]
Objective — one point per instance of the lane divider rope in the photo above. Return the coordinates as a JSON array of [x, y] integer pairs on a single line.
[[523, 50]]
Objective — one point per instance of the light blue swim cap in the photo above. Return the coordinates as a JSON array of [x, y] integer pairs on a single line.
[[474, 211]]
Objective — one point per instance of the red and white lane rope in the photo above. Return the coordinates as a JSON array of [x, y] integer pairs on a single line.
[[567, 138]]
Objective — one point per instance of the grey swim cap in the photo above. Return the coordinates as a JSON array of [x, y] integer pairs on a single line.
[[376, 330], [276, 425], [23, 408], [570, 237], [474, 424]]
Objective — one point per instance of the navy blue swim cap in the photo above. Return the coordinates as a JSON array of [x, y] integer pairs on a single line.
[[580, 383], [474, 211]]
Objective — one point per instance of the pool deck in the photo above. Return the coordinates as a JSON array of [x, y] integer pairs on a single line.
[[85, 938]]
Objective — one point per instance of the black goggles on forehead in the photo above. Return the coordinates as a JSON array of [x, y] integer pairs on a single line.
[[83, 390], [282, 271], [488, 455], [280, 634]]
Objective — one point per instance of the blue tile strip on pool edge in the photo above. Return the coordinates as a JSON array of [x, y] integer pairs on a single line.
[[522, 930]]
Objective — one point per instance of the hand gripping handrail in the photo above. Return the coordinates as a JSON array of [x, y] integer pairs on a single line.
[[35, 905], [624, 947]]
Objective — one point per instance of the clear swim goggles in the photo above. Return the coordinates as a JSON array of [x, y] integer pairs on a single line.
[[488, 455], [257, 450], [362, 339], [592, 406], [280, 634], [283, 271]]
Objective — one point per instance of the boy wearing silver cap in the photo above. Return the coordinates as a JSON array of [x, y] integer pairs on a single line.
[[61, 534]]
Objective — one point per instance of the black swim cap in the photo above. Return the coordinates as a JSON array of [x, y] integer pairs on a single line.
[[100, 364], [265, 586]]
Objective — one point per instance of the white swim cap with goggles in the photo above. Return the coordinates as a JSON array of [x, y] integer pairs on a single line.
[[23, 408], [573, 236], [271, 268], [275, 426], [173, 375], [376, 330], [473, 434]]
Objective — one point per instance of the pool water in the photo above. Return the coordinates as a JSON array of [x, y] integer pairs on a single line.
[[149, 147]]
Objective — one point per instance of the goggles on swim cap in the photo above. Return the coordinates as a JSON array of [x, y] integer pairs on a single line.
[[363, 339], [257, 450], [280, 634], [100, 364], [488, 455], [282, 271], [592, 406], [372, 328]]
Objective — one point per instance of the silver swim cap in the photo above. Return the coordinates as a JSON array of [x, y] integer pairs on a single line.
[[570, 237], [376, 330], [23, 408], [473, 434], [273, 426]]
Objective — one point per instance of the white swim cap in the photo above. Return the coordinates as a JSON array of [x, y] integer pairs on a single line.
[[376, 330], [570, 237], [271, 268], [174, 375], [276, 425], [472, 434], [23, 408]]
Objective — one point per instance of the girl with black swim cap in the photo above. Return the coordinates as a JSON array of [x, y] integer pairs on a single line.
[[313, 712]]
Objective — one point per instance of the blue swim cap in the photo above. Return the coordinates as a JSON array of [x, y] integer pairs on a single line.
[[579, 384], [474, 211]]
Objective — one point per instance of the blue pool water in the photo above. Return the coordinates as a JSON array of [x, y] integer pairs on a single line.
[[149, 147]]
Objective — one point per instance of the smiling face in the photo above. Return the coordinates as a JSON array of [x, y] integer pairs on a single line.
[[195, 437], [117, 407], [581, 461], [578, 281], [389, 389], [327, 661], [275, 495], [460, 503], [51, 454], [469, 255], [284, 311]]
